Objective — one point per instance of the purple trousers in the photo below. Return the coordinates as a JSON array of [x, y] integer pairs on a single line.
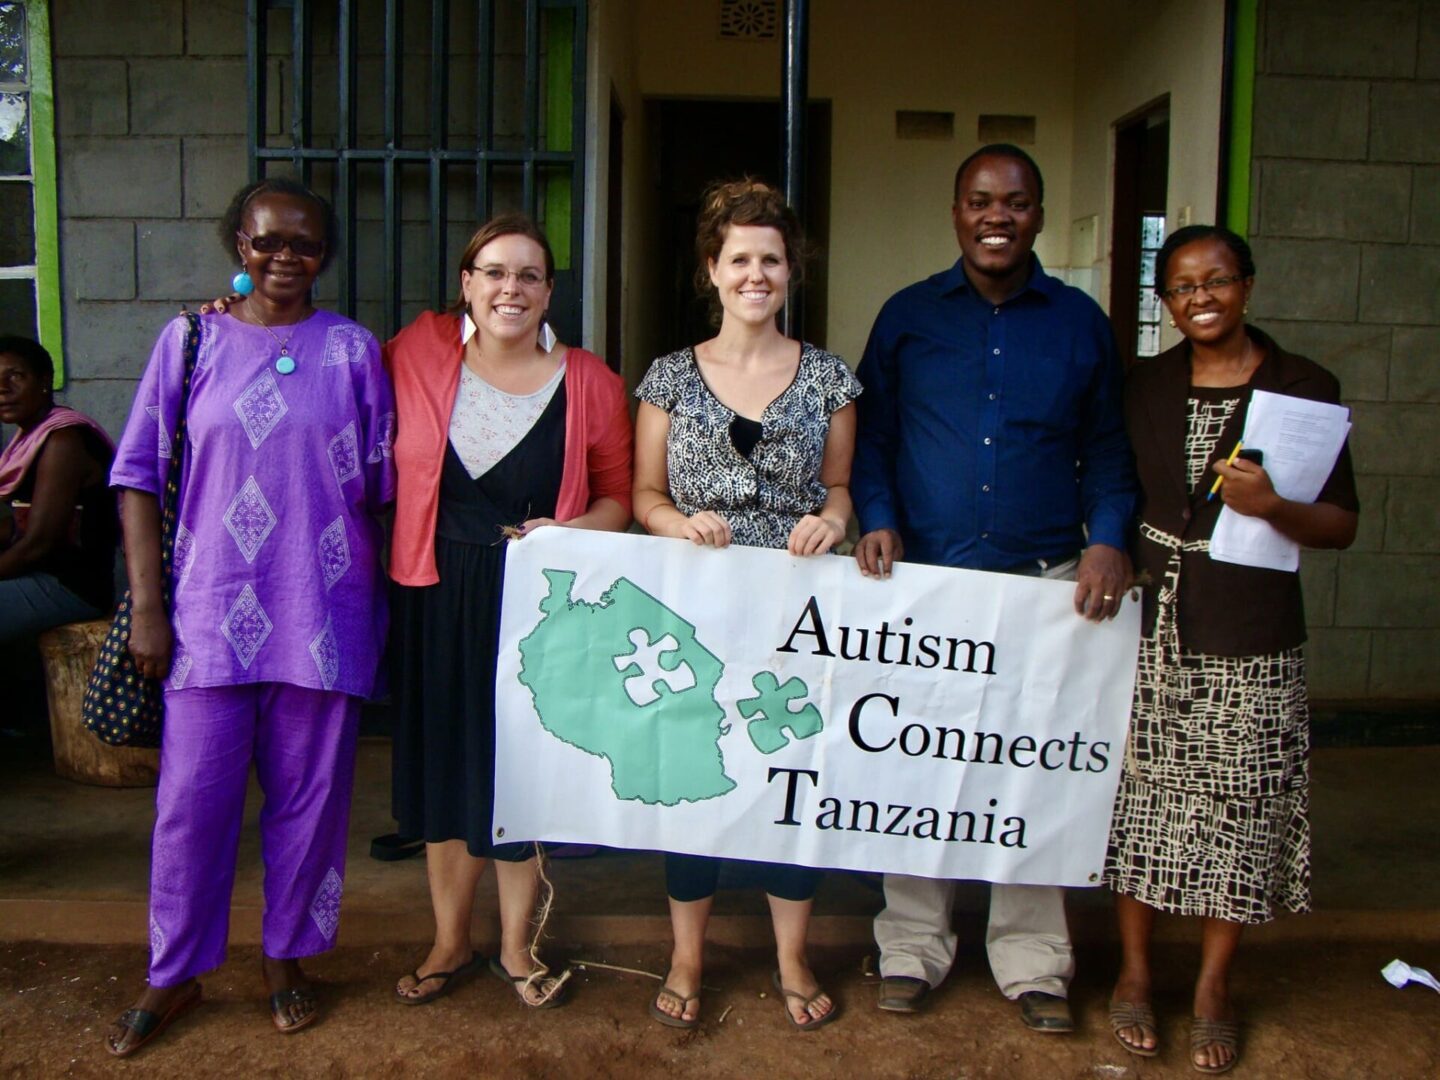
[[302, 743]]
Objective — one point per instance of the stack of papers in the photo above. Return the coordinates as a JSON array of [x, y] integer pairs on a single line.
[[1302, 440]]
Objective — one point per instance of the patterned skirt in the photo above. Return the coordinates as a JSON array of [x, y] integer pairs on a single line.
[[1212, 814]]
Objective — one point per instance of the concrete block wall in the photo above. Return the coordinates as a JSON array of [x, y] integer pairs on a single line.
[[150, 122], [1345, 223]]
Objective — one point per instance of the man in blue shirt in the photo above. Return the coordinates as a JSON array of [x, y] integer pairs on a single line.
[[991, 437]]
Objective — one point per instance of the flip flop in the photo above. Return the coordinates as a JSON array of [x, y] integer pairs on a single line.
[[149, 1025], [1205, 1032], [293, 995], [448, 981], [547, 984], [674, 1021], [786, 995], [1134, 1014]]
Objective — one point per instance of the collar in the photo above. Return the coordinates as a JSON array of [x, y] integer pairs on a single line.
[[954, 280]]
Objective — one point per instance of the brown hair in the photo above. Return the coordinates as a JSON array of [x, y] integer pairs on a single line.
[[494, 229], [746, 201]]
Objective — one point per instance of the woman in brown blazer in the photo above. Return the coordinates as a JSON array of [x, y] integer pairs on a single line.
[[1211, 819]]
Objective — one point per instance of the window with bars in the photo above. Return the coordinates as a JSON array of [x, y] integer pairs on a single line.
[[420, 119], [29, 244]]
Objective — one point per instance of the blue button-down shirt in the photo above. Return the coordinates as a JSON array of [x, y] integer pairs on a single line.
[[990, 435]]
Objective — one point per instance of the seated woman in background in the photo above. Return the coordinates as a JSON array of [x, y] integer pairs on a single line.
[[747, 438], [57, 549], [1212, 815]]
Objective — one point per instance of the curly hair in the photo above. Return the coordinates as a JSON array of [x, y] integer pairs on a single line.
[[234, 216], [746, 201], [1244, 260]]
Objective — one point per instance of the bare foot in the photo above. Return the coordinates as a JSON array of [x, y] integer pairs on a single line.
[[683, 981], [1136, 990], [439, 960], [121, 1039], [795, 974], [286, 975], [1212, 1002]]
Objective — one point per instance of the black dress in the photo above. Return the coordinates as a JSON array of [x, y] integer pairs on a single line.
[[444, 640]]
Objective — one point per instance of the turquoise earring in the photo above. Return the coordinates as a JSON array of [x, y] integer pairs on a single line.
[[241, 282]]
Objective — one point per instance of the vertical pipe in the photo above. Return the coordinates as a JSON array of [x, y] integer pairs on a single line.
[[484, 106], [344, 168], [794, 91], [300, 61], [531, 141], [391, 219], [256, 82], [439, 112]]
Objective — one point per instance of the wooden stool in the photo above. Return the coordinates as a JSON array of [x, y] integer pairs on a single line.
[[68, 653]]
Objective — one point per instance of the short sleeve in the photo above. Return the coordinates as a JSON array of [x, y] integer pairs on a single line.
[[142, 457], [838, 384], [375, 400], [660, 386]]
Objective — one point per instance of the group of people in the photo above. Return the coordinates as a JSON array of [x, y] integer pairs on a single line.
[[988, 426]]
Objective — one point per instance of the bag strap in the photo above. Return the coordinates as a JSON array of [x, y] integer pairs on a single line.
[[170, 505]]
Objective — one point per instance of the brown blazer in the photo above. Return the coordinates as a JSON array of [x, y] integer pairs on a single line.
[[1224, 609]]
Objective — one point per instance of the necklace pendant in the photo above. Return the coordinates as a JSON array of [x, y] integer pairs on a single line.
[[286, 364]]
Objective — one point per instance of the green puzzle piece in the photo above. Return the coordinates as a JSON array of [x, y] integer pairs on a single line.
[[769, 712]]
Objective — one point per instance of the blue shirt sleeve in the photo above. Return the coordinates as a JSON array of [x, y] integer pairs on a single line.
[[872, 477], [1108, 488]]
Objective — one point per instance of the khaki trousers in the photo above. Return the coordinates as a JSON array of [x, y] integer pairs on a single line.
[[1027, 938]]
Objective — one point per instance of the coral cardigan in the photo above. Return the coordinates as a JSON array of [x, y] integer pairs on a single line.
[[424, 362]]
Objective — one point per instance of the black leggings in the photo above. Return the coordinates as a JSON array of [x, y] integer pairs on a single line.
[[694, 877]]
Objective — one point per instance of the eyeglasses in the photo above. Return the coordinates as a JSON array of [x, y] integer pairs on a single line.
[[1212, 286], [529, 278], [300, 247]]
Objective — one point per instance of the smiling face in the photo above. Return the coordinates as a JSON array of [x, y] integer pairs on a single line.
[[1207, 315], [505, 288], [751, 274], [282, 278], [24, 395], [997, 215]]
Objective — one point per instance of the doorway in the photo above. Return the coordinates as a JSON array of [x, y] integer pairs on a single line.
[[701, 141], [1142, 159]]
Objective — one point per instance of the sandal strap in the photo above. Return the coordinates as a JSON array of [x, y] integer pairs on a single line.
[[1206, 1032], [1128, 1014], [140, 1021]]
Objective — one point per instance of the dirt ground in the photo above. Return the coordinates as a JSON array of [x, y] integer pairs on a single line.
[[1309, 1011]]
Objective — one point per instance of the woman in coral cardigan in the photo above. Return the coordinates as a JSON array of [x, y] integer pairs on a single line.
[[501, 431]]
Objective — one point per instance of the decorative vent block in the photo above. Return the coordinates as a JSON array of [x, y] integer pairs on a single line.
[[749, 20]]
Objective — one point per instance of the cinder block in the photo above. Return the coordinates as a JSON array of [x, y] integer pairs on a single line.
[[1415, 364], [187, 97], [1333, 37], [1405, 121], [1357, 354], [106, 400], [98, 258], [126, 178], [1388, 591], [217, 27], [1335, 201], [1370, 532], [1412, 522], [1402, 664], [1395, 439], [1427, 63], [1311, 118], [214, 170], [1337, 663], [91, 98], [104, 28], [1317, 583], [181, 261], [113, 341], [1310, 279], [1425, 205], [1400, 284]]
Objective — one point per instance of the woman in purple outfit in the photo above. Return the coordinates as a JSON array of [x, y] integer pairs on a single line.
[[277, 616]]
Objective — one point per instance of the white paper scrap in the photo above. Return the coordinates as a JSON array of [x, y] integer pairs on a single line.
[[1302, 440], [1397, 973]]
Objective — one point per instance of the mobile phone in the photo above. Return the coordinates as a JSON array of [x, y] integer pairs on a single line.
[[1256, 456]]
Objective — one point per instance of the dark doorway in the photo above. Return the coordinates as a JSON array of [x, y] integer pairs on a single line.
[[1142, 156], [614, 232], [700, 141]]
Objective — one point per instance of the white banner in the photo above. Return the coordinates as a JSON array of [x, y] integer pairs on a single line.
[[753, 705]]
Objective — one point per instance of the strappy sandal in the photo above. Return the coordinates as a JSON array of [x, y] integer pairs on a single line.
[[1134, 1014], [551, 987], [448, 981], [665, 1018], [280, 1002], [805, 1002], [148, 1025], [1222, 1033]]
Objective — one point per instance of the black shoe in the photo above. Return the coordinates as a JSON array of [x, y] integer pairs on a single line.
[[1049, 1013]]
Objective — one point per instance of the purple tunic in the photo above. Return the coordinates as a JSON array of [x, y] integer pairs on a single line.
[[277, 573]]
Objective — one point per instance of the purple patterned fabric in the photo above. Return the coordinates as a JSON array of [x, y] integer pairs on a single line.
[[277, 573]]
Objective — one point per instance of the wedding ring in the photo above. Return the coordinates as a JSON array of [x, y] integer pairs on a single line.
[[1109, 597]]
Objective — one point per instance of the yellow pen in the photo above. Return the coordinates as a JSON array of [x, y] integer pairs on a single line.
[[1215, 487]]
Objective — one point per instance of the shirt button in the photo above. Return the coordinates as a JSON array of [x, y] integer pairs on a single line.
[[1184, 515], [984, 536], [994, 396], [997, 352], [997, 311], [987, 442], [984, 487]]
